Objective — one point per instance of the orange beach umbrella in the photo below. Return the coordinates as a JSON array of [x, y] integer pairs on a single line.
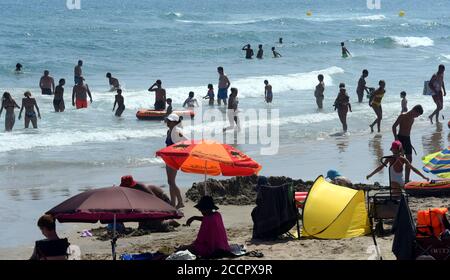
[[209, 158]]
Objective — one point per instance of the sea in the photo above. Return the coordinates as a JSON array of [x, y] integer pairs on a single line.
[[182, 43]]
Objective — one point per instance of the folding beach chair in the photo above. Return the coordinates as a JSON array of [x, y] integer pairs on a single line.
[[382, 205], [52, 249]]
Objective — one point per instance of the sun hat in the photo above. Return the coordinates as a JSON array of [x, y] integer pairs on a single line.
[[206, 203], [127, 181], [173, 118]]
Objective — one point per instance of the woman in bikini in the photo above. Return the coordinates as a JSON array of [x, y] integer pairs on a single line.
[[30, 115], [342, 105], [375, 103], [396, 166], [9, 105]]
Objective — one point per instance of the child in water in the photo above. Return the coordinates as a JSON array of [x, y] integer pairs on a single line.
[[169, 109], [404, 102], [345, 52], [318, 93], [119, 101], [190, 102], [210, 95]]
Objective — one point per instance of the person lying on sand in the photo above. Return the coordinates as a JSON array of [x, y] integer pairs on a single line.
[[212, 236], [128, 181], [396, 163]]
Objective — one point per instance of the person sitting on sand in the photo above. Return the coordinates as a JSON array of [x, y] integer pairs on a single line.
[[58, 99], [345, 52], [275, 53], [396, 163], [79, 94], [30, 115], [190, 102], [375, 103], [248, 51], [9, 104], [337, 179], [342, 105], [260, 53], [437, 86], [210, 95], [160, 95], [113, 82], [18, 69], [404, 102], [212, 237], [268, 95], [120, 102], [47, 84], [51, 248], [318, 93]]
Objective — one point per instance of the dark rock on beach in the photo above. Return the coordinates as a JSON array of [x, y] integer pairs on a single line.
[[242, 190]]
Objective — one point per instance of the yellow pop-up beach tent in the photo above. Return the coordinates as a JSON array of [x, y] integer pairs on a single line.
[[334, 212]]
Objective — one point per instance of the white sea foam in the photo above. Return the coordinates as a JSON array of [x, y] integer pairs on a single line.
[[412, 42], [370, 18]]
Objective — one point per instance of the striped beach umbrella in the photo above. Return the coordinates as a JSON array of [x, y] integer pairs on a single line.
[[438, 163]]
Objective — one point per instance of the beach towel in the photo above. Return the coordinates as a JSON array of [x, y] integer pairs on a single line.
[[275, 212], [405, 232], [211, 237]]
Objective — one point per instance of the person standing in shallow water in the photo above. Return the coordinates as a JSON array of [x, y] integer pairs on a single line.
[[120, 102], [30, 115], [375, 103], [362, 85], [224, 84], [318, 93], [58, 100], [160, 95], [78, 72], [437, 86], [275, 53], [345, 52], [260, 53], [9, 105], [268, 92], [248, 51], [47, 84], [342, 105]]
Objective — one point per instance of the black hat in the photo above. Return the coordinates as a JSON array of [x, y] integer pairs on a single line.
[[206, 203]]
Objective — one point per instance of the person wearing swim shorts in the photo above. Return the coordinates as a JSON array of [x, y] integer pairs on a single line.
[[160, 95], [268, 95], [78, 72], [362, 85], [375, 103], [405, 122], [342, 105], [248, 51], [79, 95], [47, 84], [224, 84], [30, 115], [438, 88], [9, 104], [119, 101], [58, 100]]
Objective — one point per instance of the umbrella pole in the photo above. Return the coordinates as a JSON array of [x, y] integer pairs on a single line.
[[114, 239], [204, 186]]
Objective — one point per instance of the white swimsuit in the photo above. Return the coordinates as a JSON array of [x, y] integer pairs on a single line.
[[396, 176]]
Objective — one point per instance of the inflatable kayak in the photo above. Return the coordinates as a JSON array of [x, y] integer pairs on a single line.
[[150, 115], [432, 188]]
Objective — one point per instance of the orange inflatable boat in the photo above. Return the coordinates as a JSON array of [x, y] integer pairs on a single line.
[[152, 115], [432, 188]]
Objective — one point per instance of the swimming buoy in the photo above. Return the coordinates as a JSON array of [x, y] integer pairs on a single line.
[[401, 13], [309, 13], [151, 115]]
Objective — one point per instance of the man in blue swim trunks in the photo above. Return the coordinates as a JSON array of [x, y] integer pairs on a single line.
[[224, 84]]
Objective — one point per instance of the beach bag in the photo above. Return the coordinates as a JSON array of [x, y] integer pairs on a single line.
[[426, 88]]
